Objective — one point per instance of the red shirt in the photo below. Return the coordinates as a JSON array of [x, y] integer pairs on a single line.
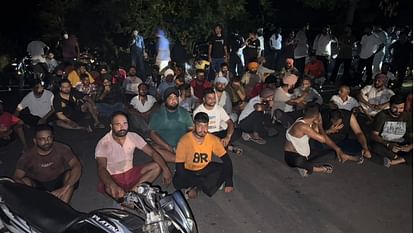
[[315, 69], [199, 88], [8, 120]]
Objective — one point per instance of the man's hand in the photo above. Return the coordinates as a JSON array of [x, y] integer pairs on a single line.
[[166, 176], [406, 148], [59, 193], [114, 191], [225, 141], [334, 129]]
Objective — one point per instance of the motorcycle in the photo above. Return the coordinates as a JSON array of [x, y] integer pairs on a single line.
[[27, 70], [147, 210]]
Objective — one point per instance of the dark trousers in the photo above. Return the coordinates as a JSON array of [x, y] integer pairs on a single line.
[[300, 64], [347, 66], [296, 160], [235, 64], [208, 179], [253, 123], [367, 64], [382, 150], [137, 60]]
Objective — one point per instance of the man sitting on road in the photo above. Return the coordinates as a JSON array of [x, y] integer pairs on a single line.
[[297, 148], [343, 100], [338, 125], [219, 123], [50, 166], [168, 124], [37, 106], [195, 169], [393, 133], [114, 156], [71, 106], [10, 124], [375, 98]]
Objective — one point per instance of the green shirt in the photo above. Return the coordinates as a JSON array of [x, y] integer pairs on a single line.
[[171, 125]]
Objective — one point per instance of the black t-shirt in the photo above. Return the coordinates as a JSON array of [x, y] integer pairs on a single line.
[[394, 129], [251, 50], [218, 43], [346, 121], [70, 106], [113, 97]]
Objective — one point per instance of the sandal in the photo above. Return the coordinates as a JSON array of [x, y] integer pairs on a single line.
[[387, 162], [360, 160], [328, 168], [259, 141], [303, 172], [235, 149]]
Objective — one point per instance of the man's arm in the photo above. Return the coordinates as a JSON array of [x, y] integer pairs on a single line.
[[111, 187], [20, 177], [230, 130], [227, 173], [159, 141], [360, 136], [166, 173]]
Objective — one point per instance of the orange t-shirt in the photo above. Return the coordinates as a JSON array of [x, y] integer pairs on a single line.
[[197, 156]]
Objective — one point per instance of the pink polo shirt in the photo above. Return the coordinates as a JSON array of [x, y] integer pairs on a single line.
[[119, 158]]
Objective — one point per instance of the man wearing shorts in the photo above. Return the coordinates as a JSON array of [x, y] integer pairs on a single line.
[[114, 156]]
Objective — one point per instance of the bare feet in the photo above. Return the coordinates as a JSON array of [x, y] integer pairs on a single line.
[[191, 193]]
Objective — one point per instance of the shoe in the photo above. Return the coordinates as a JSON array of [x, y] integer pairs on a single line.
[[259, 141], [235, 149], [246, 136], [387, 162], [360, 160], [328, 168]]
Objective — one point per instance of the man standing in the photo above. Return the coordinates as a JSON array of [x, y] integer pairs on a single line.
[[137, 53], [217, 49], [195, 169], [70, 48], [114, 156], [393, 133], [50, 166]]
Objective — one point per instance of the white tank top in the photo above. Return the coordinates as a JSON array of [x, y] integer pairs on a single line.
[[301, 144]]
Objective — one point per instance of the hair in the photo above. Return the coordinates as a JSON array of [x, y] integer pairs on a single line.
[[209, 91], [201, 117], [43, 127], [199, 71], [143, 84], [117, 113], [307, 78], [224, 64], [397, 99], [335, 115], [65, 80], [82, 76], [185, 86], [311, 109]]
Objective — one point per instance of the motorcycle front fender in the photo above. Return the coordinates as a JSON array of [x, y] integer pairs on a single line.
[[178, 211]]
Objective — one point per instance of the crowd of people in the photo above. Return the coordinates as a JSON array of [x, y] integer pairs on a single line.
[[185, 119]]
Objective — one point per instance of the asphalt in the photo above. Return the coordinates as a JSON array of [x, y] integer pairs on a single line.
[[269, 196]]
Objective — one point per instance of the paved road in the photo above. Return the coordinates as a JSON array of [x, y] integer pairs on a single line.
[[269, 196]]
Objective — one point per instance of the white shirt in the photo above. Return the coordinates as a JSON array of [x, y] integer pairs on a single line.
[[375, 96], [137, 104], [369, 45], [37, 106], [249, 107], [348, 104], [322, 45], [217, 117], [302, 46], [280, 97], [276, 41]]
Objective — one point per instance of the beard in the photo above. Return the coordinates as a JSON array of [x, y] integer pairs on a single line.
[[171, 107], [45, 147], [120, 133]]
